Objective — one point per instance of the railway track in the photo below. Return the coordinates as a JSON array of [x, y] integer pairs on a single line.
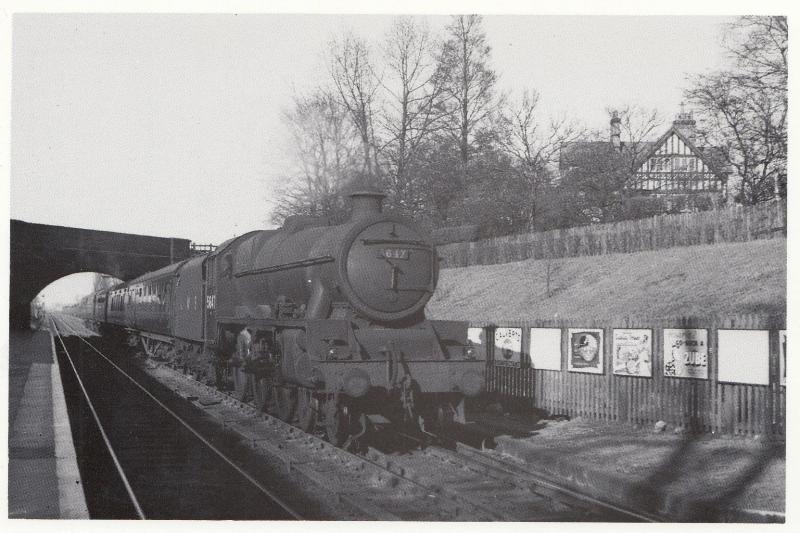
[[149, 447], [512, 489], [428, 484], [508, 488]]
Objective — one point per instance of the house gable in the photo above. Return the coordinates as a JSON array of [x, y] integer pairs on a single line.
[[675, 164]]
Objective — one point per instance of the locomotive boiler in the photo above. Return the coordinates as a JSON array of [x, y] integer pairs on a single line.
[[319, 323]]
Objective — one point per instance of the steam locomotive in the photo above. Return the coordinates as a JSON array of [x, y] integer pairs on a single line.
[[321, 325]]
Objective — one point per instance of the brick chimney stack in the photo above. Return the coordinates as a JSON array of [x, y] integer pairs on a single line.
[[615, 131], [684, 123]]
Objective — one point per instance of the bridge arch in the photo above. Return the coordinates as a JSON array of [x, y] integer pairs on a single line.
[[41, 254]]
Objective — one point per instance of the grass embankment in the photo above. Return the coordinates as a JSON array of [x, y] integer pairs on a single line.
[[718, 279]]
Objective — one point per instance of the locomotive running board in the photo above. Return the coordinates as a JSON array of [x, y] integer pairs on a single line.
[[262, 322]]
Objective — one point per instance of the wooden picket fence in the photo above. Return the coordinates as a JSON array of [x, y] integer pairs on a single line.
[[734, 224], [697, 405]]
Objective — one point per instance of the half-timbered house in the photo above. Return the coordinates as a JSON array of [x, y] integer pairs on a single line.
[[674, 164]]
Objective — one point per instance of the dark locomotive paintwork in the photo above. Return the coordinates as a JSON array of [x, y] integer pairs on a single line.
[[337, 310]]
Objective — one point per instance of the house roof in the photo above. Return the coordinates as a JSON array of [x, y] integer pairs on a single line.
[[572, 153], [713, 157]]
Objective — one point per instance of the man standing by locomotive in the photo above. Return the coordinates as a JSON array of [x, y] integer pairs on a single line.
[[243, 381]]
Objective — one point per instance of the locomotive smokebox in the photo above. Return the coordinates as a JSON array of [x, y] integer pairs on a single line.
[[366, 202]]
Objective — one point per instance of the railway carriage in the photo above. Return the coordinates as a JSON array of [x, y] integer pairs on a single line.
[[318, 322]]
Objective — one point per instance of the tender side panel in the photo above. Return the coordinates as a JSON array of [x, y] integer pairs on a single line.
[[189, 300], [210, 300]]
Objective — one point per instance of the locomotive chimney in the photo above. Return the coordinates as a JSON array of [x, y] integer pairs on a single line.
[[366, 202]]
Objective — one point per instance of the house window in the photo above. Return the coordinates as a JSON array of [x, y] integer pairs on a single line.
[[660, 164], [684, 164]]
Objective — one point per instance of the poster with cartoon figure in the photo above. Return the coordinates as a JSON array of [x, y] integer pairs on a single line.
[[586, 350], [508, 347], [633, 352], [686, 353]]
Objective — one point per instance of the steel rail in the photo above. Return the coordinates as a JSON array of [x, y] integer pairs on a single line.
[[264, 490], [464, 454], [468, 455], [117, 464], [547, 482]]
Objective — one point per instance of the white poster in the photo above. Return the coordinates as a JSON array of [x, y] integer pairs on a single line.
[[508, 347], [633, 352], [686, 353], [585, 351], [782, 356], [743, 356], [476, 338], [545, 348]]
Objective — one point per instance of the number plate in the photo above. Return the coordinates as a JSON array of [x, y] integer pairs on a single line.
[[395, 253]]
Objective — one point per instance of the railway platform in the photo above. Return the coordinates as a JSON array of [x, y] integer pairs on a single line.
[[678, 476], [43, 476]]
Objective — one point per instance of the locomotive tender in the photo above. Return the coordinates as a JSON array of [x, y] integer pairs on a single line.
[[322, 323]]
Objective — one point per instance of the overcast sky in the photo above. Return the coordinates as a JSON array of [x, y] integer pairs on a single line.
[[170, 124]]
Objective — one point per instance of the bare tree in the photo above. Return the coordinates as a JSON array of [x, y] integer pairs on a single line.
[[596, 175], [533, 146], [759, 46], [468, 82], [637, 125], [744, 108], [411, 111], [325, 148], [356, 84]]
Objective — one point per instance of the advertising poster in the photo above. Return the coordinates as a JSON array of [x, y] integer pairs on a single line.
[[508, 347], [782, 357], [545, 348], [743, 356], [586, 351], [686, 353], [477, 338], [633, 352]]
